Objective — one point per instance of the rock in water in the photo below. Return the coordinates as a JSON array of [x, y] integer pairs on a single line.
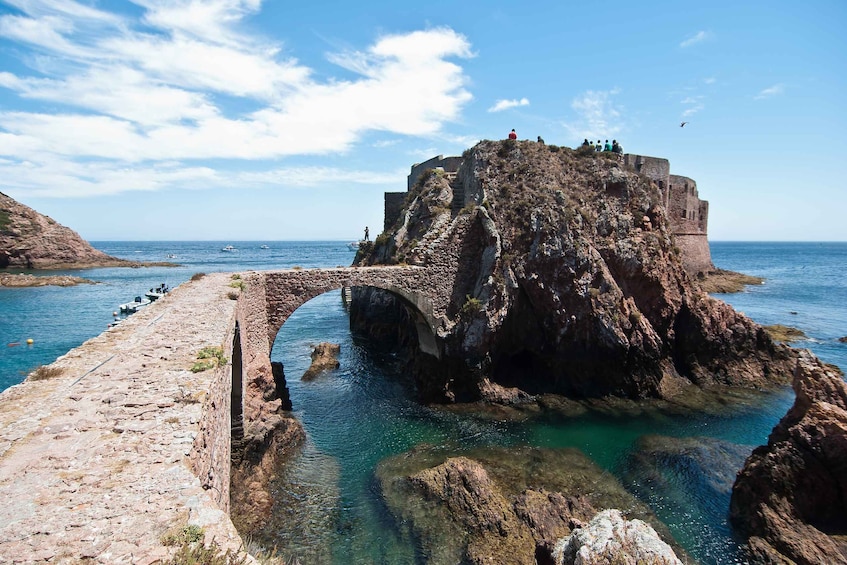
[[29, 240], [790, 499], [558, 286], [324, 358], [497, 505], [609, 538]]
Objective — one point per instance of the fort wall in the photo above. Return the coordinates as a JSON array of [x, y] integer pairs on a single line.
[[447, 164]]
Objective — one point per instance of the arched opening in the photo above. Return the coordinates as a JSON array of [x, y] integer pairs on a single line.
[[236, 407]]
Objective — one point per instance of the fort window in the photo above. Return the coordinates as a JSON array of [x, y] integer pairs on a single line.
[[684, 214]]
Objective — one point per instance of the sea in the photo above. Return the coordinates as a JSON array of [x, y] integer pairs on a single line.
[[330, 509]]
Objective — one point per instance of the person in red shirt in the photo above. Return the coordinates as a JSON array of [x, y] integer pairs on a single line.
[[513, 135]]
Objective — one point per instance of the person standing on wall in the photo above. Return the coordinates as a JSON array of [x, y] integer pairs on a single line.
[[367, 234], [513, 135]]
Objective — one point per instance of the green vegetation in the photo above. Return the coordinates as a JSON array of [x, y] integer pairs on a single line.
[[778, 332], [471, 307], [44, 372], [5, 220], [191, 550], [188, 534], [209, 358], [239, 284], [197, 276]]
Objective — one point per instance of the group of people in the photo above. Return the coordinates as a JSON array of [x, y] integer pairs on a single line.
[[614, 147]]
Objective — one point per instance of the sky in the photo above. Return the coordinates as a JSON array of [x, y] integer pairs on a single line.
[[250, 120]]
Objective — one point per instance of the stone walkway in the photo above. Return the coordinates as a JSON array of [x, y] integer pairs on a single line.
[[94, 463]]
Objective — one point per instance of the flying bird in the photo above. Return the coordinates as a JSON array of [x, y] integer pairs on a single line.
[[682, 125]]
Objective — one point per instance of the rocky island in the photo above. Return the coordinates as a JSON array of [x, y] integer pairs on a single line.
[[569, 278]]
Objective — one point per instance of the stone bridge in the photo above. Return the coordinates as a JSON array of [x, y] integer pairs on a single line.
[[124, 443]]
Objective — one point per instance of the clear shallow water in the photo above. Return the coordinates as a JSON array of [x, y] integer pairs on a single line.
[[365, 411]]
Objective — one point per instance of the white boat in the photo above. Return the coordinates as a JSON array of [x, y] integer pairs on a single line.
[[353, 245], [264, 247], [134, 306], [229, 248]]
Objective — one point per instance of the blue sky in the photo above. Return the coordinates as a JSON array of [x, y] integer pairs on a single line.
[[250, 120]]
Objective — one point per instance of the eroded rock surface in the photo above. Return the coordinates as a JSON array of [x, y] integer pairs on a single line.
[[559, 285], [790, 499]]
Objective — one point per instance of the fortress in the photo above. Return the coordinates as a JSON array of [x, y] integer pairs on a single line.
[[688, 216]]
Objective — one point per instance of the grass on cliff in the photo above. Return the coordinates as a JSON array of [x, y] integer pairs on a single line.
[[5, 220], [191, 550]]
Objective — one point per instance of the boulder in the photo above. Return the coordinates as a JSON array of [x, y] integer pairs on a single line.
[[790, 499], [610, 538], [324, 358]]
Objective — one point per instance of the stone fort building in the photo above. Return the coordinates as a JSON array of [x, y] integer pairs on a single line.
[[687, 214]]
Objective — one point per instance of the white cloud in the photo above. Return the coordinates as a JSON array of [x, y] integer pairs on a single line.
[[696, 38], [770, 91], [501, 105], [694, 103], [598, 116], [196, 88], [65, 178]]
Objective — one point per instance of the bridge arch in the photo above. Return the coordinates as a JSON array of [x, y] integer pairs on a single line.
[[270, 297]]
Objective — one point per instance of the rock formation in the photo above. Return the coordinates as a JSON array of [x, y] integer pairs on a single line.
[[565, 278], [610, 538], [29, 240], [324, 358], [790, 499], [498, 505]]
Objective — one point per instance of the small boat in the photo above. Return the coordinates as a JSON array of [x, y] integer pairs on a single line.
[[135, 305], [264, 247], [171, 256], [156, 293], [229, 248]]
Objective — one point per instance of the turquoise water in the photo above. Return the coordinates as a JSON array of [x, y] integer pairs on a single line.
[[365, 411]]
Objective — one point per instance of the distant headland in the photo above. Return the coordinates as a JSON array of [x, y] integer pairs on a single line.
[[33, 241]]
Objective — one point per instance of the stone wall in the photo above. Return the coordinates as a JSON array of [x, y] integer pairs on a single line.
[[449, 164], [393, 206]]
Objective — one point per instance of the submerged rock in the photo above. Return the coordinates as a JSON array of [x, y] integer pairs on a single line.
[[324, 358], [497, 505], [790, 499], [610, 538], [557, 287]]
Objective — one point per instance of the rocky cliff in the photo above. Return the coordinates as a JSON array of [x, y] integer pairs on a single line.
[[790, 499], [29, 240], [565, 278]]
